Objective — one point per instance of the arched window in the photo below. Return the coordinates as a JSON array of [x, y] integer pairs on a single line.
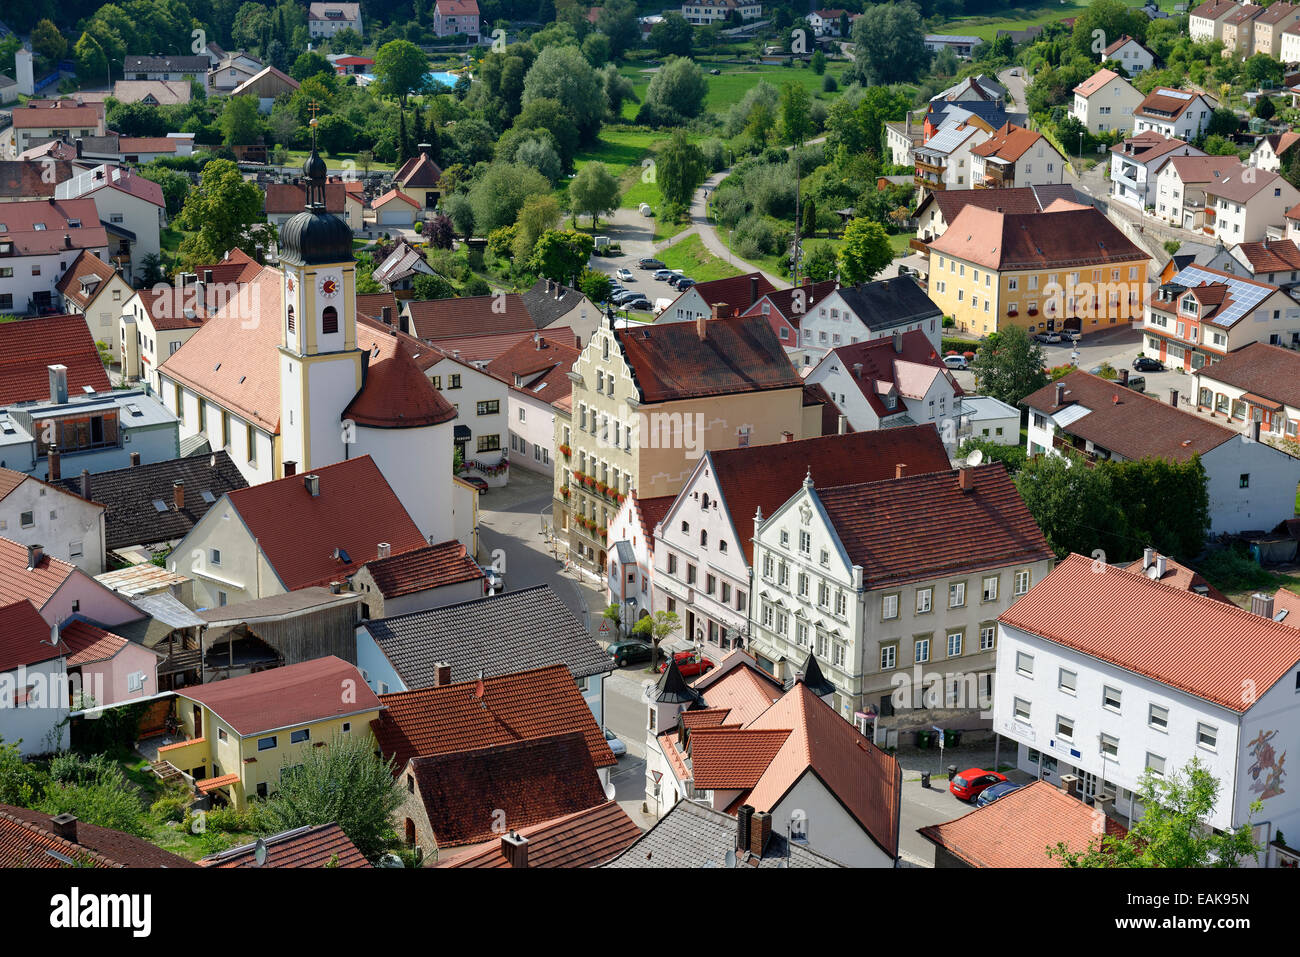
[[329, 320], [704, 502], [704, 539], [291, 318]]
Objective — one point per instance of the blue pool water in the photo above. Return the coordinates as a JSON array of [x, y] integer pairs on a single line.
[[446, 79]]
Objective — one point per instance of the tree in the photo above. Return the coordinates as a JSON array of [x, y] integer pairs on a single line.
[[432, 287], [676, 92], [335, 134], [561, 73], [864, 252], [346, 783], [1175, 829], [499, 194], [818, 62], [613, 613], [654, 629], [672, 36], [1104, 22], [562, 254], [596, 286], [240, 123], [889, 44], [538, 214], [809, 225], [461, 213], [1216, 145], [250, 25], [1262, 72], [680, 169], [617, 89], [310, 63], [796, 121], [819, 261], [175, 186], [1009, 365], [400, 70], [596, 49], [47, 42], [945, 62], [1264, 108], [594, 191], [441, 234], [224, 212], [1223, 122], [617, 20]]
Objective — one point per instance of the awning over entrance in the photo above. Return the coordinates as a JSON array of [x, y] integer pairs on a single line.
[[1262, 402], [208, 785], [462, 433]]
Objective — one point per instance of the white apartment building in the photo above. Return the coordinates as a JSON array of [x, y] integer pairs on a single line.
[[865, 313], [127, 204], [482, 424], [1141, 677], [1105, 101], [1129, 54], [1135, 162], [1178, 114]]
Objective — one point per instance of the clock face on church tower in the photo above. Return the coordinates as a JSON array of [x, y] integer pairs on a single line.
[[328, 287]]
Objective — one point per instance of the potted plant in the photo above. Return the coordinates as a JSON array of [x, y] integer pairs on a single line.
[[564, 491], [567, 451]]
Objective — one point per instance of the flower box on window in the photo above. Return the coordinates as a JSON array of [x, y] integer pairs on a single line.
[[1033, 312], [567, 451]]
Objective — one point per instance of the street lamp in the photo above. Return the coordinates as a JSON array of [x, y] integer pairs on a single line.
[[729, 252]]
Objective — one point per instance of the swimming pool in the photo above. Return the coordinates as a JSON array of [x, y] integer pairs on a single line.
[[446, 79]]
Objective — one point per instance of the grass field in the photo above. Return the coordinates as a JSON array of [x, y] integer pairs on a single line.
[[1021, 17], [694, 260], [735, 81], [339, 161]]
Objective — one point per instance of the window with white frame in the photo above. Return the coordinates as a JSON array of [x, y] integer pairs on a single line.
[[1110, 745], [1067, 681], [1158, 717], [1022, 582], [1156, 764], [1021, 709], [1207, 736], [889, 607], [954, 643], [924, 597], [1111, 698], [888, 657], [988, 637], [1064, 727], [1024, 664], [956, 594], [921, 651], [990, 589]]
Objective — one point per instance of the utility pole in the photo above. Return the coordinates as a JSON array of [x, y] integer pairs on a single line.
[[795, 255]]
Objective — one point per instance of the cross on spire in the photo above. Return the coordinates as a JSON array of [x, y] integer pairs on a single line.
[[313, 107]]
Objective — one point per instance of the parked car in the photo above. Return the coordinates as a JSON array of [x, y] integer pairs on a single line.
[[630, 650], [955, 362], [624, 275], [638, 303], [991, 793], [715, 72], [1147, 364], [690, 664], [1049, 337], [474, 480], [970, 783], [615, 745], [1137, 383], [677, 282], [664, 273], [627, 295], [649, 264], [685, 283]]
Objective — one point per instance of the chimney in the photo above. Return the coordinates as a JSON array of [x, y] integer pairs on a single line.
[[58, 383], [1173, 398], [1254, 430], [787, 436], [85, 484], [426, 149], [1060, 393], [403, 323], [1070, 784], [65, 825], [207, 276], [760, 832], [1261, 605], [178, 495], [1148, 557], [34, 555], [898, 341], [537, 341], [336, 588], [550, 287], [441, 674], [842, 426], [53, 459], [312, 484], [744, 817], [386, 314], [514, 848], [900, 469], [753, 289], [290, 467], [702, 325], [857, 370], [79, 146], [964, 480], [384, 550], [719, 310], [135, 458], [1123, 377], [1160, 566]]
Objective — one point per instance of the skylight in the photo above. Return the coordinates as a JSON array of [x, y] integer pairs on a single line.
[[159, 505], [207, 496]]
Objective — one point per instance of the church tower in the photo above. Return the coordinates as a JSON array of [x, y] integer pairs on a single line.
[[320, 365]]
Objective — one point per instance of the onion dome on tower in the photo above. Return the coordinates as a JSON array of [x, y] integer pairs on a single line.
[[315, 236]]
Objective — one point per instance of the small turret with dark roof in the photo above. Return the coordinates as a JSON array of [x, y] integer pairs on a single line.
[[672, 687], [812, 678]]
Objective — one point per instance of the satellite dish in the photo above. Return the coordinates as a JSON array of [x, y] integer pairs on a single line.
[[731, 858], [259, 852], [975, 458], [609, 790]]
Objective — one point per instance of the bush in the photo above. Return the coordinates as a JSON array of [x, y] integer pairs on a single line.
[[829, 84], [756, 236], [169, 808], [949, 322], [419, 227], [952, 344], [1232, 569], [1108, 371]]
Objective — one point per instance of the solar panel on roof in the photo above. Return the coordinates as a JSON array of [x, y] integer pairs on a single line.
[[1176, 94], [1242, 296]]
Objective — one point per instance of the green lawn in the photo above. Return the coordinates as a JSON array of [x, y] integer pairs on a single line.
[[1030, 15], [735, 80], [694, 260], [336, 161]]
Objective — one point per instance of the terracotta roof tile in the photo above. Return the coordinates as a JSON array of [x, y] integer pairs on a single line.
[[87, 270], [435, 319], [767, 475], [1266, 370], [18, 583], [738, 292], [28, 839], [469, 795], [1137, 426], [1213, 9], [42, 228], [540, 365], [1073, 237], [1180, 576], [432, 566], [1287, 604], [1008, 143], [299, 533], [733, 758], [670, 361], [1095, 82], [1016, 199], [24, 636], [1159, 105], [486, 347], [419, 171], [515, 707], [372, 305], [292, 695], [87, 643], [586, 838], [29, 346], [782, 301], [58, 114], [888, 527], [31, 179], [1016, 830], [885, 369], [323, 846], [1187, 641], [395, 393], [292, 198], [1276, 255]]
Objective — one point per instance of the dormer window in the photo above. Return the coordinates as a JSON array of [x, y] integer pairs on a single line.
[[1190, 306]]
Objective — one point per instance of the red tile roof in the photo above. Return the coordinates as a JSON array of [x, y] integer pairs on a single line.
[[432, 566], [122, 179], [884, 369], [419, 171], [540, 365], [396, 393], [393, 196], [669, 360], [58, 114], [1275, 255], [1213, 9], [86, 269], [489, 346], [1287, 604], [18, 583], [292, 198], [1136, 427], [652, 511], [515, 707], [783, 301], [889, 529], [1179, 576], [24, 636], [42, 227], [355, 510], [1008, 143], [765, 476], [434, 319], [585, 838], [1068, 237], [371, 305], [1016, 830], [235, 267], [1015, 199], [738, 292], [172, 307], [87, 643], [469, 796], [1119, 43], [318, 690], [733, 758], [1187, 641], [1146, 146], [1094, 83], [1269, 371], [323, 846], [28, 839], [1161, 106], [146, 144]]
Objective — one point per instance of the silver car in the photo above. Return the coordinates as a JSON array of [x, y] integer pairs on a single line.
[[615, 745]]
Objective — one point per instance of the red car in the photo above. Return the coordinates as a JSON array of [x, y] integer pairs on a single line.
[[690, 664], [969, 783]]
